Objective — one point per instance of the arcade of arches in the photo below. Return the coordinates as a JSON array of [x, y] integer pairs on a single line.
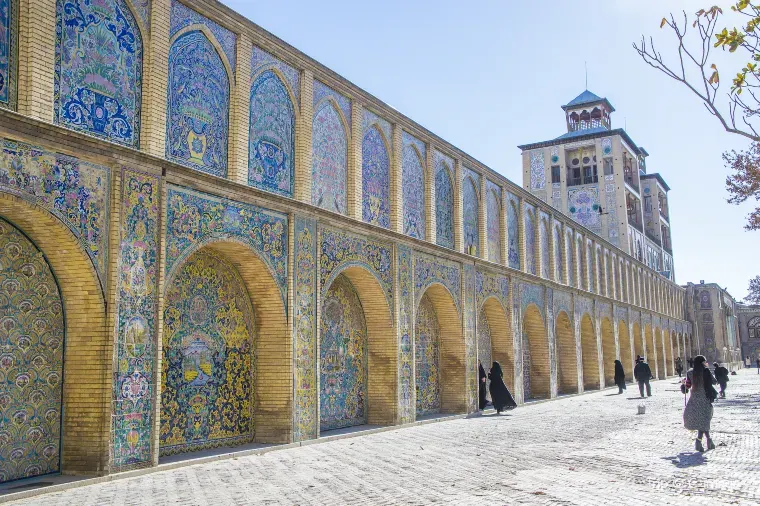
[[286, 257]]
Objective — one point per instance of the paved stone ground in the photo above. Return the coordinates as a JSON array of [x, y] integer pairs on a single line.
[[589, 449]]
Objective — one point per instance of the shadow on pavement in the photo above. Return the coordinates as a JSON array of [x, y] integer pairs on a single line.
[[687, 459]]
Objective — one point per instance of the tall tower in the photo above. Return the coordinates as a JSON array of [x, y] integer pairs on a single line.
[[597, 175]]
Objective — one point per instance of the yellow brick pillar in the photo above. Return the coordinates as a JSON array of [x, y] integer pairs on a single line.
[[483, 220], [304, 146], [430, 217], [36, 61], [240, 110], [354, 190], [458, 222], [155, 80], [396, 181]]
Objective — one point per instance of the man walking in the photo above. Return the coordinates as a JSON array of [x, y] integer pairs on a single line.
[[643, 374], [721, 375], [679, 366]]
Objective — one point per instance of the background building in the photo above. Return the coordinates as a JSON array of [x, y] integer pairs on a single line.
[[749, 330], [597, 175], [713, 312]]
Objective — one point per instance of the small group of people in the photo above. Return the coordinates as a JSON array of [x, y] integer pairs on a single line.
[[501, 398], [748, 363], [641, 373]]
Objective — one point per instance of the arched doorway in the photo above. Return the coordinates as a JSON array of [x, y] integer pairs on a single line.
[[650, 352], [535, 345], [667, 354], [495, 340], [609, 353], [83, 443], [439, 355], [626, 357], [567, 355], [225, 351], [32, 331], [589, 354], [638, 342]]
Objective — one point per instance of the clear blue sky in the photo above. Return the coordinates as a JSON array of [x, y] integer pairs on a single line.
[[489, 75]]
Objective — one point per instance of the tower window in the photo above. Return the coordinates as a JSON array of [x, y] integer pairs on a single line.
[[555, 174], [608, 167]]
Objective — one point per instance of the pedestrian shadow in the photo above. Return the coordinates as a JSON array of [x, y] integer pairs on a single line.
[[687, 459], [639, 398], [613, 395]]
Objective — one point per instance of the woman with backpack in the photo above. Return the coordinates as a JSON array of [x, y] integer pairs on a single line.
[[699, 410]]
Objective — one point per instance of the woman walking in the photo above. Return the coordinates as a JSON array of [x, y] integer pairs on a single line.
[[619, 376], [699, 410], [482, 387], [500, 395]]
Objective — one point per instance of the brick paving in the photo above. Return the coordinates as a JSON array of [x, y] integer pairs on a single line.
[[589, 449]]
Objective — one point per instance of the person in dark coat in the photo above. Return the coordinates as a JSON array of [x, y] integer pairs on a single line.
[[679, 366], [698, 412], [721, 375], [619, 376], [691, 363], [482, 386], [643, 374], [500, 395]]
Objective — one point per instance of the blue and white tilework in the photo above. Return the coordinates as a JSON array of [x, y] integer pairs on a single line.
[[8, 49], [261, 61], [513, 231], [183, 16], [444, 200], [376, 170], [537, 170], [413, 186]]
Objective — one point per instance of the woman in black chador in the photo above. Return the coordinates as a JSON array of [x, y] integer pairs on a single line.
[[500, 395], [619, 376], [482, 386]]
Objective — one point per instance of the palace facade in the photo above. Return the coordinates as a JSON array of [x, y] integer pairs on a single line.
[[208, 238]]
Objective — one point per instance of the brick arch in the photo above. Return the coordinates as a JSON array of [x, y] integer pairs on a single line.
[[88, 347], [589, 354], [609, 352], [535, 341], [283, 81], [382, 367], [273, 384], [626, 354], [198, 27], [662, 359], [452, 350], [567, 355], [650, 349], [638, 342], [502, 340]]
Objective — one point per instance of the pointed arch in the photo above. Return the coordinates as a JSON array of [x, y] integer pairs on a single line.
[[329, 157], [535, 357], [444, 205], [413, 188], [567, 355], [272, 133], [530, 242], [495, 335], [589, 354], [513, 234], [471, 216], [493, 226], [626, 355], [609, 352], [572, 270], [543, 232], [376, 174], [559, 267], [199, 93], [98, 70]]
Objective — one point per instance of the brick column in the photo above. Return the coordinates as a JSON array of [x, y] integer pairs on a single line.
[[304, 147], [430, 217], [36, 61], [396, 176], [240, 118], [458, 222], [354, 196], [155, 80]]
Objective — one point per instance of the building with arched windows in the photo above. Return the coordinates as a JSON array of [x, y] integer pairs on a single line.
[[208, 239]]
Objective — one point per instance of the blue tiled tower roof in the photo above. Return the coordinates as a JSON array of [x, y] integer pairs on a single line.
[[587, 97]]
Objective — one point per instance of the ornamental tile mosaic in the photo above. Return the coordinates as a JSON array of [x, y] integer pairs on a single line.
[[571, 260], [195, 218], [427, 357], [537, 171], [76, 192], [343, 358], [470, 338], [491, 285], [329, 158], [563, 301], [493, 227], [471, 216], [531, 294], [543, 231], [31, 357], [142, 8], [305, 322], [8, 53], [513, 232], [369, 119], [583, 305], [182, 17], [429, 270], [485, 349], [583, 205], [136, 320], [444, 201], [198, 105], [272, 136], [559, 267], [376, 174], [340, 249], [413, 186], [322, 92], [98, 69], [467, 172], [262, 61], [530, 239], [207, 368], [406, 386], [607, 146]]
